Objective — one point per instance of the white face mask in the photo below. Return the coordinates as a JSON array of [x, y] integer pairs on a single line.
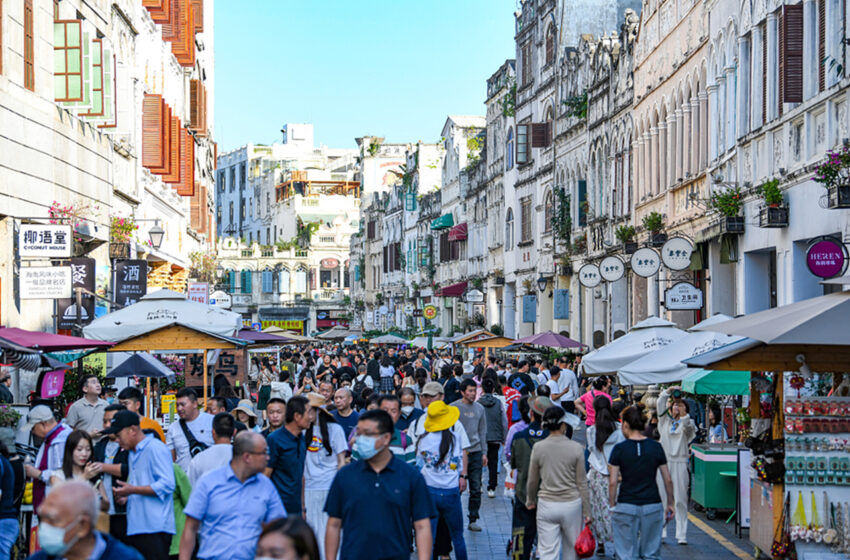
[[52, 539], [406, 410]]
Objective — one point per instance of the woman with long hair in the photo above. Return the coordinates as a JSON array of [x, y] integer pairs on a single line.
[[326, 450], [441, 457], [557, 488], [77, 463], [601, 439], [288, 538], [637, 514], [387, 376], [584, 404]]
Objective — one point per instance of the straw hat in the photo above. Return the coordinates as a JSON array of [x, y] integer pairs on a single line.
[[440, 416], [318, 401], [247, 407]]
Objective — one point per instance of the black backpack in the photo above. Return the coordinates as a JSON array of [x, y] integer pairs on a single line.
[[357, 389]]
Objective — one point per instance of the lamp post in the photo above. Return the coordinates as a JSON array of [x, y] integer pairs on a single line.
[[155, 234]]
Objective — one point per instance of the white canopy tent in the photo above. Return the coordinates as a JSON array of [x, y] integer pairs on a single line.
[[645, 337], [159, 309], [388, 339], [665, 364]]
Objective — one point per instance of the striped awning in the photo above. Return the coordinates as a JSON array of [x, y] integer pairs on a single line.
[[458, 232]]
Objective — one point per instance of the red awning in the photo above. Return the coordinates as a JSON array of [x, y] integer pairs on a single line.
[[455, 290], [324, 323], [458, 232]]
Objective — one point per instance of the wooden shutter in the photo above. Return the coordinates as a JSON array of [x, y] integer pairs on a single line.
[[160, 10], [174, 151], [541, 135], [821, 45], [386, 258], [186, 186], [29, 67], [153, 122], [199, 15], [179, 30], [165, 142], [198, 107], [791, 37]]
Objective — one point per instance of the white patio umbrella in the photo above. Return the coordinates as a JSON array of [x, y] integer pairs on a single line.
[[160, 309], [645, 337], [665, 364]]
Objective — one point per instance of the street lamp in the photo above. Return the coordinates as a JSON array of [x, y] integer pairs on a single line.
[[155, 234], [542, 282]]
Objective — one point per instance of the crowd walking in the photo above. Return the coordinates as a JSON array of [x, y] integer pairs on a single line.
[[363, 454]]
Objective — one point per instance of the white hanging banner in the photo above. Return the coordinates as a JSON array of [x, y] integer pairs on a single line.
[[645, 262], [46, 282], [676, 253], [589, 276], [612, 269], [53, 241]]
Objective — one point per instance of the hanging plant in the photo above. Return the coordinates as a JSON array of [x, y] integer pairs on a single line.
[[835, 170], [508, 102], [771, 193], [576, 106], [74, 215], [728, 202], [121, 230]]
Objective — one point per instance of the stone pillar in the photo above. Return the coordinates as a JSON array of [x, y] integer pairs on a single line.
[[646, 174], [772, 67], [731, 86], [720, 117], [743, 86], [652, 296], [686, 140], [638, 165], [680, 149], [703, 132], [756, 72], [671, 150], [661, 184], [695, 137], [713, 130], [653, 161]]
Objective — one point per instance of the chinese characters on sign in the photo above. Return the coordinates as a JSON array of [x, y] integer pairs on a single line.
[[676, 253], [826, 258], [645, 262], [529, 309], [683, 296], [589, 276], [230, 363], [51, 241], [82, 276], [199, 292], [45, 282], [131, 281], [612, 269]]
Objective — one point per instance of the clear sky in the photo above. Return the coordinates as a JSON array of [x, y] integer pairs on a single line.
[[392, 68]]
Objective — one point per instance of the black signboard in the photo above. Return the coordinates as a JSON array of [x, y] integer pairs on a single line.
[[82, 276], [131, 281]]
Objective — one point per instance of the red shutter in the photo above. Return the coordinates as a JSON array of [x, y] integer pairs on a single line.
[[180, 31], [160, 10], [540, 135], [186, 186], [199, 15], [153, 118], [174, 152], [821, 45], [792, 36], [165, 143]]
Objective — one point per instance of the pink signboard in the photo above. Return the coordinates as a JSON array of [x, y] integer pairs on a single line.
[[51, 384], [826, 258]]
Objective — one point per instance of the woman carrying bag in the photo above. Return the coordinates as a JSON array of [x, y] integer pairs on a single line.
[[601, 439], [557, 487]]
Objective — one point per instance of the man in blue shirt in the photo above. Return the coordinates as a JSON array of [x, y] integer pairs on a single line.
[[374, 500], [231, 503], [287, 453], [150, 489]]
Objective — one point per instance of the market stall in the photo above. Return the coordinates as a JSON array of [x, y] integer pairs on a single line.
[[645, 337], [487, 343]]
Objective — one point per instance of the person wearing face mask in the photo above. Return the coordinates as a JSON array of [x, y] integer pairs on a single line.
[[373, 502], [66, 527], [409, 412], [677, 430]]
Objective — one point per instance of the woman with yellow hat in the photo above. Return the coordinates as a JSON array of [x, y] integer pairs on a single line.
[[441, 455]]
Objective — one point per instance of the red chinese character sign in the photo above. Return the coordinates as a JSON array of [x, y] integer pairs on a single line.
[[827, 258]]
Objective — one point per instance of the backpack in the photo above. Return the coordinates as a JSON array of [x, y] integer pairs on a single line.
[[359, 386]]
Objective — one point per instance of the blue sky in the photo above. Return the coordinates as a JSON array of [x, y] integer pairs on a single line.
[[392, 68]]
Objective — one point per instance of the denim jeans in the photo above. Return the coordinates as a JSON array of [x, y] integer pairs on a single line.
[[637, 531], [8, 536], [448, 506], [474, 472]]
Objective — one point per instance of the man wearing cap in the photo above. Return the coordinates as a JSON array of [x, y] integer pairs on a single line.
[[231, 503], [51, 452], [432, 391], [150, 489], [219, 454], [524, 519]]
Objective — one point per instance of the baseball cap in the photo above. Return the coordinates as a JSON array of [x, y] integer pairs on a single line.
[[39, 413], [540, 404], [432, 389], [122, 419]]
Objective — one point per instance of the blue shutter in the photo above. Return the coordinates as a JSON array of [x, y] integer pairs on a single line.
[[529, 309], [246, 282], [283, 281], [582, 198], [268, 282], [562, 304], [231, 279]]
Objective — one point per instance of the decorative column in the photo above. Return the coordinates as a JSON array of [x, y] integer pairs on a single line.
[[646, 174], [679, 149], [687, 138], [697, 132], [671, 150], [756, 72], [772, 67], [653, 161], [661, 185], [720, 116], [743, 86], [731, 86], [703, 132], [638, 164]]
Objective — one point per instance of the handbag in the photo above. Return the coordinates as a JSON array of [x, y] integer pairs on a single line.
[[585, 543], [781, 538], [195, 446]]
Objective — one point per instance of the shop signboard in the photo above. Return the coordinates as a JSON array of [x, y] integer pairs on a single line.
[[45, 282], [131, 281], [429, 312], [645, 262], [676, 253], [230, 363], [287, 324], [561, 304], [683, 296], [827, 258], [44, 241], [612, 269], [82, 276], [329, 263], [199, 292], [589, 276], [474, 296], [529, 309], [221, 299]]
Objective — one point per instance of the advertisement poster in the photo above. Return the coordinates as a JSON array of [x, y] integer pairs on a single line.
[[131, 281], [83, 275]]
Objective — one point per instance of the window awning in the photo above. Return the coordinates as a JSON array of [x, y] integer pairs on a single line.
[[458, 232], [443, 222], [453, 290]]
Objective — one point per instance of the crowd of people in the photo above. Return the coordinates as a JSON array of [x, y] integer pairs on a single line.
[[350, 453]]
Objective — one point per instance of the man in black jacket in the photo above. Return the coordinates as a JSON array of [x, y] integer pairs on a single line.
[[6, 396]]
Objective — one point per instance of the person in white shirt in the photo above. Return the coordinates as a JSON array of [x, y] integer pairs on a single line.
[[193, 424], [220, 453], [602, 436], [568, 381]]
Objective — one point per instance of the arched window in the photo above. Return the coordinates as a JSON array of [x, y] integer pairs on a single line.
[[509, 230], [509, 150], [550, 44], [283, 281], [548, 211], [246, 281], [267, 278], [301, 280]]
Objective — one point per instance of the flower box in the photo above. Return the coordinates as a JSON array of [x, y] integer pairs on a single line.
[[657, 239], [732, 224], [119, 250], [773, 217], [838, 196], [630, 247]]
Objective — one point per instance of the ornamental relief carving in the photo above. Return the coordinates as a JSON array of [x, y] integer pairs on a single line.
[[841, 111]]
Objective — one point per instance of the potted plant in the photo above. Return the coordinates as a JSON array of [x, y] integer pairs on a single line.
[[579, 245], [9, 418], [625, 234], [653, 222], [834, 174], [729, 203], [773, 214]]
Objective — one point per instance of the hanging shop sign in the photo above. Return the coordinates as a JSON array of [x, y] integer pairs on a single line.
[[676, 253], [45, 282], [82, 276], [329, 263], [589, 275], [53, 241], [473, 296], [683, 296], [131, 281], [645, 262], [221, 299], [529, 309], [199, 292], [429, 312], [612, 269], [827, 258]]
